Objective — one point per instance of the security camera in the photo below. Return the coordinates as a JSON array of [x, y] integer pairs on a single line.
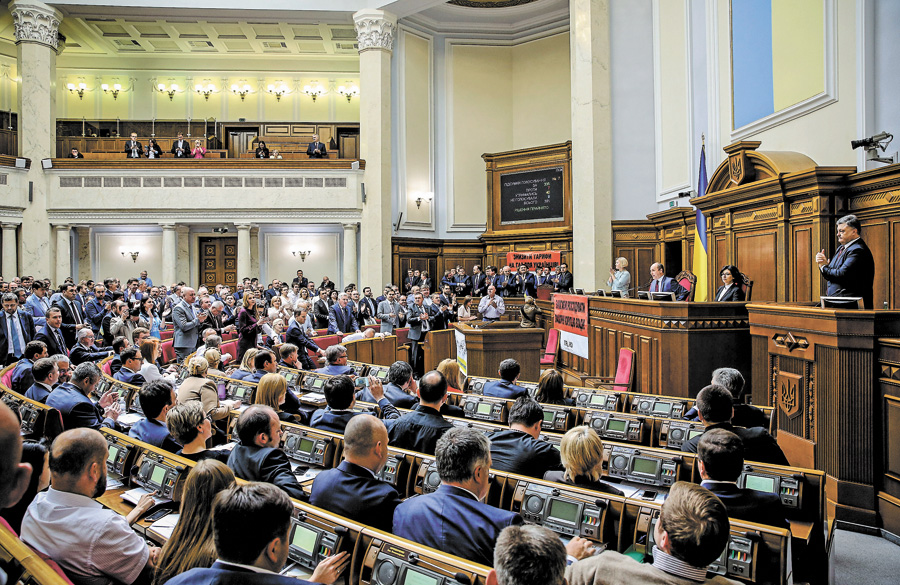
[[221, 230], [873, 144]]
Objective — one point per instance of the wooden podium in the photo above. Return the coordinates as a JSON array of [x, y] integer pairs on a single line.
[[825, 371], [488, 344]]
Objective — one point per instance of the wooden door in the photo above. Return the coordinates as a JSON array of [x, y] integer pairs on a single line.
[[218, 262]]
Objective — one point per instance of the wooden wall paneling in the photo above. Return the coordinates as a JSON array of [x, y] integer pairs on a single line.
[[761, 371], [803, 260], [877, 235], [756, 253], [648, 364]]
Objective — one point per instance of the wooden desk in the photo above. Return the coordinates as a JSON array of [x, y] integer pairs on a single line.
[[489, 344]]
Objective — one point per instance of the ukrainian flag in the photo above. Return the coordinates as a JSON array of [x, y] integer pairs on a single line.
[[701, 250]]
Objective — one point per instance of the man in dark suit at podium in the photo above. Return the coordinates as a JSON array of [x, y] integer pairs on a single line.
[[851, 272], [316, 149]]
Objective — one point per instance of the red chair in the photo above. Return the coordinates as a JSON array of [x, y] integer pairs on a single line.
[[688, 281], [552, 349], [7, 378], [624, 377], [230, 347], [402, 336], [167, 351], [106, 368], [166, 335]]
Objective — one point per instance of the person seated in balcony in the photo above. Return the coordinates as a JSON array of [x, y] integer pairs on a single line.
[[261, 150], [75, 154], [276, 154], [199, 151], [153, 149]]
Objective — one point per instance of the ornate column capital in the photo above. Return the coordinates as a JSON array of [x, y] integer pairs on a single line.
[[350, 226], [35, 22], [375, 29]]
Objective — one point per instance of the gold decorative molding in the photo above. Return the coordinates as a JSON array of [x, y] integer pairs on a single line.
[[773, 212], [874, 200], [802, 207], [789, 342]]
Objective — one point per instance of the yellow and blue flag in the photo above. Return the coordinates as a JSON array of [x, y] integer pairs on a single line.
[[701, 250]]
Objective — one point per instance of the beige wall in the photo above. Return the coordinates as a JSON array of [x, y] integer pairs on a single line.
[[108, 248], [541, 100], [673, 106], [283, 265], [9, 86], [416, 125]]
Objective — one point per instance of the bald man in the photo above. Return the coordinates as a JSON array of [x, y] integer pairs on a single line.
[[92, 544], [14, 475], [353, 490]]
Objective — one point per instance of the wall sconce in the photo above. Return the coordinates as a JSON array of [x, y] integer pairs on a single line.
[[242, 91], [134, 255], [313, 91], [423, 196], [79, 89], [303, 254], [117, 87], [278, 91], [349, 92], [171, 90], [205, 91]]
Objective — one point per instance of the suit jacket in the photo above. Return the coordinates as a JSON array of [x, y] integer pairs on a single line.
[[154, 432], [76, 409], [313, 147], [392, 393], [341, 320], [504, 389], [297, 336], [133, 149], [759, 445], [418, 430], [187, 326], [852, 274], [265, 464], [53, 343], [461, 285], [38, 393], [542, 280], [411, 281], [185, 147], [479, 284], [70, 320], [26, 323], [613, 568], [745, 415], [129, 377], [751, 505], [320, 311], [353, 492], [526, 285], [668, 284], [565, 283], [37, 308], [22, 378], [335, 421], [735, 293], [95, 311], [385, 308], [415, 316], [453, 521], [226, 574], [518, 452], [584, 482]]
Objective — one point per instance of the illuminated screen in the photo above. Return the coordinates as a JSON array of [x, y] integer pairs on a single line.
[[306, 445], [598, 399], [760, 483], [113, 453], [548, 415], [617, 425], [484, 407], [694, 433], [381, 375], [304, 539], [240, 391], [158, 475], [562, 510], [318, 383], [645, 466], [662, 407], [414, 577]]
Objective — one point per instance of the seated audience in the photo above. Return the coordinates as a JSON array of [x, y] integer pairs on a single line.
[[149, 370], [22, 378], [131, 367], [15, 474], [533, 554], [399, 389], [745, 415], [715, 407], [263, 363], [192, 427], [198, 387], [191, 544], [506, 387], [85, 350], [453, 519], [420, 429], [251, 527], [35, 454], [157, 398], [551, 389], [119, 344], [92, 544], [246, 368], [581, 451], [520, 449], [258, 456], [692, 532], [456, 380], [336, 358], [339, 394], [272, 391], [77, 410], [721, 460], [214, 360], [45, 373], [353, 489]]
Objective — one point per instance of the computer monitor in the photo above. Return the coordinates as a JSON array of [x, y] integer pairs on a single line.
[[642, 294], [841, 302], [579, 291], [614, 293], [662, 296]]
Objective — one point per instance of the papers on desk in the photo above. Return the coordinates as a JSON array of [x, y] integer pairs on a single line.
[[296, 571], [113, 483], [313, 399], [309, 474], [129, 418], [165, 525], [134, 496]]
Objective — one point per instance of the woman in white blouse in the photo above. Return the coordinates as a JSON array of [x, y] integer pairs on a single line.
[[149, 370], [620, 279]]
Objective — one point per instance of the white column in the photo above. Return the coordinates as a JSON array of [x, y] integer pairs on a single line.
[[351, 265], [169, 254], [63, 253], [375, 34], [36, 27], [591, 142], [10, 251], [243, 253]]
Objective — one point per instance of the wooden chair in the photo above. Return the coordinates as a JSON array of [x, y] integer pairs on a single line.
[[624, 377], [167, 351], [748, 287], [552, 349], [688, 281]]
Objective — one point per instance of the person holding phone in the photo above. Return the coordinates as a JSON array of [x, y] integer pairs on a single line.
[[340, 394]]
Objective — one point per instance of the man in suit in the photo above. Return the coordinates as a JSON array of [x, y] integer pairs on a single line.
[[77, 410], [545, 277], [45, 373], [663, 283], [257, 457], [479, 281], [97, 308], [16, 329], [181, 148], [720, 457], [440, 312], [505, 282], [410, 281], [420, 429], [453, 519], [316, 149], [217, 320], [340, 317], [520, 449], [157, 398], [420, 322], [745, 415], [187, 326], [86, 351], [296, 335], [353, 489], [691, 532], [51, 333], [336, 362], [563, 281], [339, 394], [506, 386], [399, 389], [526, 284], [851, 272], [133, 148], [253, 552], [72, 313], [37, 303], [22, 378], [714, 404], [389, 311], [300, 279], [321, 308], [131, 367], [462, 284], [119, 344]]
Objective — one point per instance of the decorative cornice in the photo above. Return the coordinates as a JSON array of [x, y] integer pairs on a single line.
[[14, 212], [661, 323], [36, 22], [203, 216], [375, 30]]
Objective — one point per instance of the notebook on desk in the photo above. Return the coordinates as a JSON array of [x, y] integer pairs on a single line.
[[134, 495]]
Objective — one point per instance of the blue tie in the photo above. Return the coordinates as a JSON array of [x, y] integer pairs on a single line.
[[14, 332]]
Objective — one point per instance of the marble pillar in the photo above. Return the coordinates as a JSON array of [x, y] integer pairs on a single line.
[[10, 251], [83, 253], [36, 29], [255, 260], [169, 253], [351, 263], [243, 252], [63, 233], [375, 34], [183, 256], [591, 142]]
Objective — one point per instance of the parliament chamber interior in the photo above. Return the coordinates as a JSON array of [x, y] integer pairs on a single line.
[[592, 217]]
